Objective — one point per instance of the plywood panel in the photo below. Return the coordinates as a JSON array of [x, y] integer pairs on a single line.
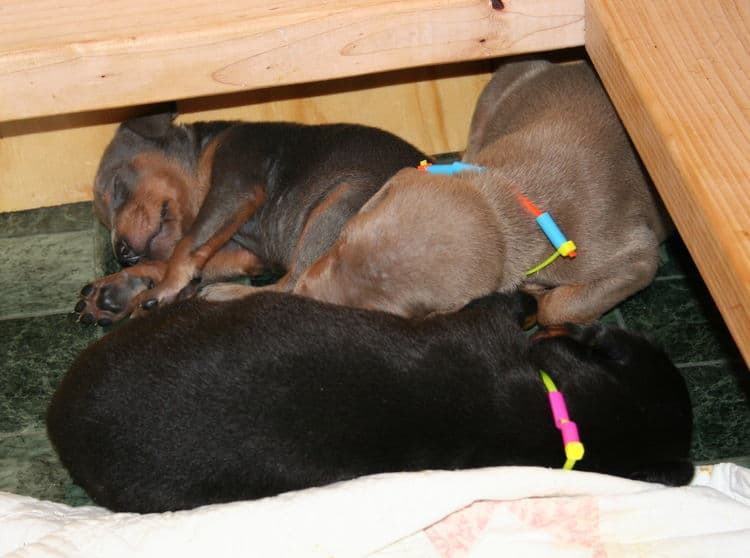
[[679, 74]]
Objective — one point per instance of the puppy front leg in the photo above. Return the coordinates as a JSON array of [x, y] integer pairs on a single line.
[[219, 219], [321, 230], [112, 298], [231, 261]]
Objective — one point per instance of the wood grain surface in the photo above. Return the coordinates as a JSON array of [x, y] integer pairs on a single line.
[[679, 75], [59, 56]]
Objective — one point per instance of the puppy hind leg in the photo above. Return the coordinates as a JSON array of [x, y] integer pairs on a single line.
[[229, 262], [222, 292], [577, 303], [588, 302], [323, 227], [320, 232], [631, 269], [211, 232]]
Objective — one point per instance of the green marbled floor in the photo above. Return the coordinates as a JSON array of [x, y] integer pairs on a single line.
[[49, 254]]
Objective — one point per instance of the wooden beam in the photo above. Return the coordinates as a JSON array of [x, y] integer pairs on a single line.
[[59, 56], [679, 74]]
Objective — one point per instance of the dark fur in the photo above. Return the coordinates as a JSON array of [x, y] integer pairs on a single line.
[[196, 203], [212, 402]]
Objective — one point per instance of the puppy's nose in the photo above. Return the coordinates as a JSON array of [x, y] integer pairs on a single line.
[[124, 253]]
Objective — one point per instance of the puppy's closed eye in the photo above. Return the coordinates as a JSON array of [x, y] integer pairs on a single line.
[[119, 190]]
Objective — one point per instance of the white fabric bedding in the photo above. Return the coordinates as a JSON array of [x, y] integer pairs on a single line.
[[504, 511]]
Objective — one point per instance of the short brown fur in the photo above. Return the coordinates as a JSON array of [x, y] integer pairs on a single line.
[[430, 243]]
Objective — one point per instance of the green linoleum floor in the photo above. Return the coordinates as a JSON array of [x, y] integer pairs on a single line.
[[49, 254]]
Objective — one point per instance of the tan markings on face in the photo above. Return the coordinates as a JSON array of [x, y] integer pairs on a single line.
[[139, 221], [159, 177]]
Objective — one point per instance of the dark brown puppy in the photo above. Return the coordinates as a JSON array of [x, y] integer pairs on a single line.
[[429, 243], [196, 203], [212, 402]]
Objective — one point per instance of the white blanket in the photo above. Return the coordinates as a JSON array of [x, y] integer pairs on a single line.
[[504, 511]]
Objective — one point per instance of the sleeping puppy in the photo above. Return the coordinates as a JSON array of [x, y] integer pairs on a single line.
[[548, 140], [195, 203], [204, 402]]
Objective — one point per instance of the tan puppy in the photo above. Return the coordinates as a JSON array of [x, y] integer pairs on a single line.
[[428, 243]]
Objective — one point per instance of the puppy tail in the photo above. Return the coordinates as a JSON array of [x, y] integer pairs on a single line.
[[670, 473]]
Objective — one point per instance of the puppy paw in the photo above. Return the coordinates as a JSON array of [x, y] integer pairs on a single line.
[[163, 294], [110, 299], [153, 298]]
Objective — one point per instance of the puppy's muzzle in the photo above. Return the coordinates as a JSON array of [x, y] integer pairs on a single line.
[[125, 254]]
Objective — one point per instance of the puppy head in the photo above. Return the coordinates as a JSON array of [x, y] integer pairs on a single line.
[[143, 188], [610, 348], [630, 402]]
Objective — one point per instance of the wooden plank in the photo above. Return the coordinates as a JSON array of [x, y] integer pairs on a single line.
[[679, 74], [59, 56]]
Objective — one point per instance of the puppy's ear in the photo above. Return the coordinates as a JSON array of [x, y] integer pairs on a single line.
[[606, 341], [153, 126], [522, 307], [102, 204]]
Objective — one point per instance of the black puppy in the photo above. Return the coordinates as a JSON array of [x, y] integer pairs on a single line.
[[190, 204], [213, 402]]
